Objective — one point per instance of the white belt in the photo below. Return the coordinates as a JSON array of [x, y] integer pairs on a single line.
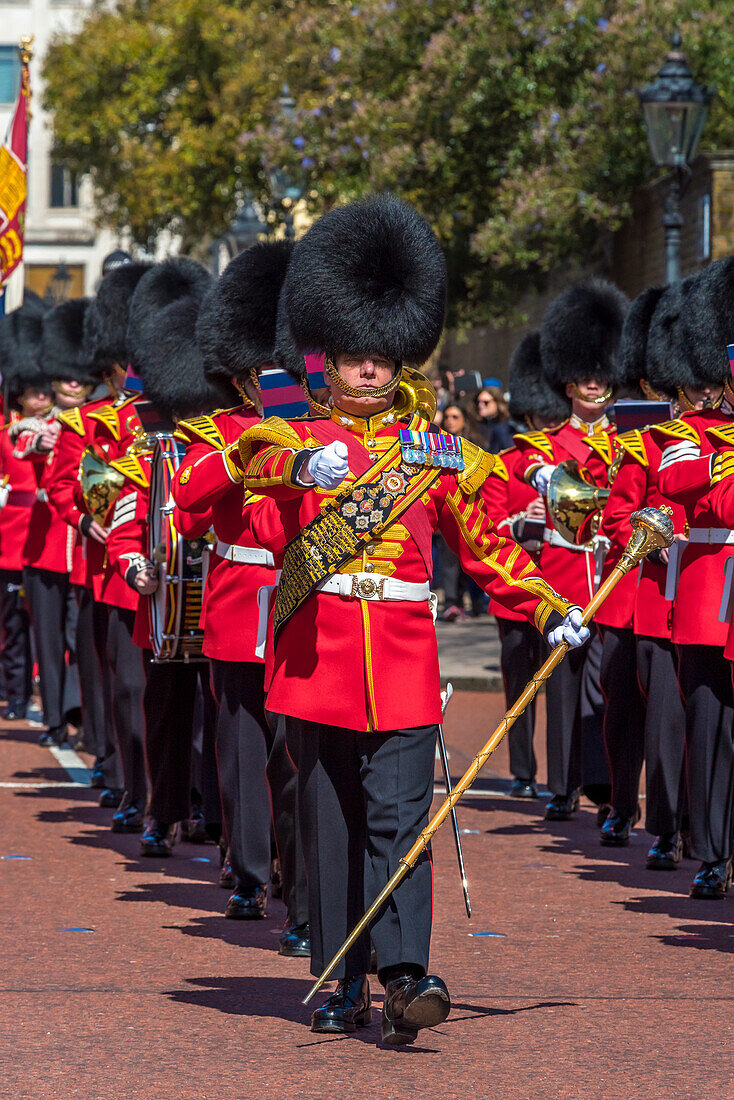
[[554, 538], [245, 555], [714, 536], [371, 586]]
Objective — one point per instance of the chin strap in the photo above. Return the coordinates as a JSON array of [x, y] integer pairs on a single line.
[[350, 391], [688, 406], [601, 400]]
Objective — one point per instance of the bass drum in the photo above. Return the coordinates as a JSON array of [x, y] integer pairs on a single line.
[[175, 608]]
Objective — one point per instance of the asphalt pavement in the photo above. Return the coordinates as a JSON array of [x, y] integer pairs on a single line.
[[580, 974]]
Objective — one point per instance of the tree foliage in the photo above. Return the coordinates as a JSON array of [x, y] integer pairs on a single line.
[[515, 130]]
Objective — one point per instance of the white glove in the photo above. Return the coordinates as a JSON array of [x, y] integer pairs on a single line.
[[541, 477], [571, 630], [4, 494], [329, 466]]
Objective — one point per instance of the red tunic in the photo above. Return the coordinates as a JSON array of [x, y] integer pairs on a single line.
[[566, 567], [109, 427], [506, 498], [127, 545], [684, 477], [371, 664], [720, 502], [15, 517], [50, 542], [208, 491]]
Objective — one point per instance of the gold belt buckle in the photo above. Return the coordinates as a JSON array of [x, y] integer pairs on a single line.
[[367, 588]]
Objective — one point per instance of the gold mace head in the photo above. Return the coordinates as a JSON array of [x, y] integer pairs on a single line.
[[652, 529]]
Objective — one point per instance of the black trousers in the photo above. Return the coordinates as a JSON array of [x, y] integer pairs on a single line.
[[170, 700], [100, 625], [16, 664], [624, 716], [125, 661], [94, 685], [521, 655], [363, 799], [574, 716], [258, 784], [704, 675], [53, 621], [204, 774], [665, 733]]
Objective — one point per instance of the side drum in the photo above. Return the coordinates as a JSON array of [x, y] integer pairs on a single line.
[[175, 608]]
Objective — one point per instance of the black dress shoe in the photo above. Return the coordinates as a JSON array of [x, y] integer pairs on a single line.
[[194, 830], [157, 839], [226, 874], [411, 1004], [615, 832], [665, 854], [15, 709], [56, 735], [247, 904], [348, 1007], [96, 778], [295, 941], [562, 806], [129, 819], [712, 880], [524, 788], [111, 798], [602, 813]]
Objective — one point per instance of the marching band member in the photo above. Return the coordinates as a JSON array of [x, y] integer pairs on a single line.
[[112, 672], [697, 364], [50, 545], [161, 341], [359, 494], [28, 394], [578, 348], [512, 506], [237, 330], [650, 725]]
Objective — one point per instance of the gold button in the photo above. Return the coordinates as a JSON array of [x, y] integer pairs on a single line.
[[370, 443], [370, 547], [369, 567]]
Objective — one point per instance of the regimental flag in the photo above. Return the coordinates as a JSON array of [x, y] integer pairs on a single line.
[[13, 171]]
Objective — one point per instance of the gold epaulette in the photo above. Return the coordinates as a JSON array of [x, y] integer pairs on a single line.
[[132, 469], [200, 427], [723, 467], [723, 434], [633, 444], [499, 469], [73, 419], [677, 429], [107, 415], [277, 433], [601, 443], [538, 440], [478, 465]]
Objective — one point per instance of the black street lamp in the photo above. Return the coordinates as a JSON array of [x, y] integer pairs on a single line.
[[285, 190], [245, 230], [58, 287], [675, 109]]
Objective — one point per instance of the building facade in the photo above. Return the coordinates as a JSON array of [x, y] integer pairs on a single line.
[[60, 228]]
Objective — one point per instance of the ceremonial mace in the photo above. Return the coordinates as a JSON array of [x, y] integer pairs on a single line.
[[445, 697], [652, 529]]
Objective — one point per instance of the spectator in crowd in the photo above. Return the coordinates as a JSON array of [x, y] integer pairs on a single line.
[[493, 418]]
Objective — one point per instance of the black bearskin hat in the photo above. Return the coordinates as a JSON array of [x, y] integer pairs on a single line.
[[368, 277], [580, 334], [63, 355], [161, 340], [20, 342], [529, 391], [106, 319], [237, 320], [668, 353], [633, 345], [707, 323], [113, 260]]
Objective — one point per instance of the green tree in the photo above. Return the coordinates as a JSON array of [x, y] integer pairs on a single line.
[[515, 130]]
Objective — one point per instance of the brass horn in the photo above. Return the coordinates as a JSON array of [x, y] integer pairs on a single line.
[[575, 503], [101, 484]]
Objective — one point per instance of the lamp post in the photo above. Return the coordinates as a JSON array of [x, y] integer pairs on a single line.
[[675, 109], [58, 287], [244, 231], [285, 190]]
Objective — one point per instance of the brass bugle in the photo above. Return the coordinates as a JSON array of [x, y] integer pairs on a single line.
[[652, 529], [575, 503]]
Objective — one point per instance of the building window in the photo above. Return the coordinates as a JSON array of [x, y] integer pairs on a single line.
[[64, 187], [704, 227], [9, 74]]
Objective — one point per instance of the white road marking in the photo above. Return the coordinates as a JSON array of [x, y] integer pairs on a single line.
[[72, 764], [39, 786]]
